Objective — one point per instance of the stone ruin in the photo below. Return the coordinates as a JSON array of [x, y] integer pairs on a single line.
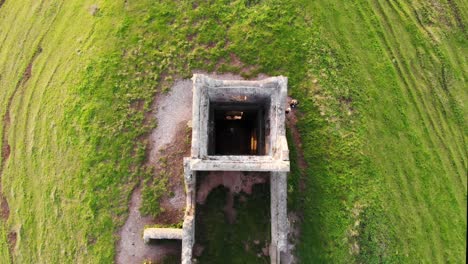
[[237, 126]]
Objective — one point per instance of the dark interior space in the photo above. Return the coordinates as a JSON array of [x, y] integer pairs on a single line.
[[237, 129]]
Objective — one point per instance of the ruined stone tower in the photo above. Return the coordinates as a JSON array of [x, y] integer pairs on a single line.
[[237, 126]]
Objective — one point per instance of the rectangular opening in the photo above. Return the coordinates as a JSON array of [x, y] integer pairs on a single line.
[[236, 129]]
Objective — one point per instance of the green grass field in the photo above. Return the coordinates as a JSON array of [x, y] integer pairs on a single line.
[[382, 90]]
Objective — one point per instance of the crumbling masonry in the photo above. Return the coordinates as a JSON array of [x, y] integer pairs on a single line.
[[236, 126]]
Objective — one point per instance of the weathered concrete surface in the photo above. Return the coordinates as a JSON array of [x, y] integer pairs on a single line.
[[222, 165], [188, 236], [162, 233], [188, 239]]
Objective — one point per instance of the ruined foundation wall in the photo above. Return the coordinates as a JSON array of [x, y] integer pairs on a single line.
[[188, 229], [279, 220]]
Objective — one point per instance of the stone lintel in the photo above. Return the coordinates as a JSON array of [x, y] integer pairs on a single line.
[[240, 165], [162, 233]]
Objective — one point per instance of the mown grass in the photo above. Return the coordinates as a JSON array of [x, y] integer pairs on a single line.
[[381, 87]]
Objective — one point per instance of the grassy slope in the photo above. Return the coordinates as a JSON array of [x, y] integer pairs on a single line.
[[383, 128], [406, 78], [45, 178]]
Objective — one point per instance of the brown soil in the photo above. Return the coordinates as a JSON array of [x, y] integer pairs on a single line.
[[173, 203], [235, 181], [1, 3], [12, 237], [291, 121], [131, 247], [4, 208], [6, 151]]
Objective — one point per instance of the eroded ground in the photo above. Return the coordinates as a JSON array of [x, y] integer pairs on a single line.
[[173, 111]]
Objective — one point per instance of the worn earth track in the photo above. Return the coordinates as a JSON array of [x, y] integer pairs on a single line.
[[6, 149], [291, 121]]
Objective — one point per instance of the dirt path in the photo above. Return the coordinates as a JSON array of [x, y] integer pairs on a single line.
[[171, 110], [291, 123], [132, 249]]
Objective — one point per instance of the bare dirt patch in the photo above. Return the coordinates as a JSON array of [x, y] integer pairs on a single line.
[[12, 237], [172, 110], [132, 248], [4, 207], [6, 149], [235, 181], [291, 122], [171, 165]]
